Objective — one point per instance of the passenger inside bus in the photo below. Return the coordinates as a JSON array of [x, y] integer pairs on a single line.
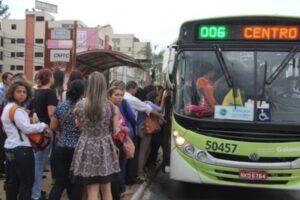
[[293, 90], [206, 88]]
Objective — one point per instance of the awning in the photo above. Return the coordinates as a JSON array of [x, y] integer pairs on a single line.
[[101, 60]]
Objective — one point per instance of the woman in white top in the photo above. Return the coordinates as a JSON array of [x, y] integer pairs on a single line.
[[18, 150]]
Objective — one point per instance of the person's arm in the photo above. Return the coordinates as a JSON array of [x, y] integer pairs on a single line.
[[22, 122], [130, 114], [139, 105], [51, 103], [54, 123], [77, 122], [162, 103], [158, 115], [206, 97], [115, 119], [51, 110]]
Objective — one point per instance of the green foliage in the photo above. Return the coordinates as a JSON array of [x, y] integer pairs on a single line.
[[153, 61], [4, 10]]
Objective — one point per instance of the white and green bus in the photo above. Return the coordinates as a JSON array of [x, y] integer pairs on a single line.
[[251, 134]]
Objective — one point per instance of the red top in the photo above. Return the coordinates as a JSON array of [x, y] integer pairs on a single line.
[[205, 84], [121, 134]]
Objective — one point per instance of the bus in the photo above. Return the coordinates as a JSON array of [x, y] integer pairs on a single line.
[[235, 103]]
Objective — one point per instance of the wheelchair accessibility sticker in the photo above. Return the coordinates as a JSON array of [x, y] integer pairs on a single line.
[[264, 113]]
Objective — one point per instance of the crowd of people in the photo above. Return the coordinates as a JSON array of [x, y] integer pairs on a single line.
[[89, 122]]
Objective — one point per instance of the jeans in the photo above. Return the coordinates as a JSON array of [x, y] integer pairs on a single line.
[[19, 173], [2, 154], [62, 159], [41, 158]]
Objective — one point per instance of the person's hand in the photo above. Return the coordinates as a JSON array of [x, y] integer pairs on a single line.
[[46, 127], [162, 119], [125, 129], [166, 93]]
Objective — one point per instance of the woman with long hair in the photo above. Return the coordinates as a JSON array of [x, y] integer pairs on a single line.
[[95, 162], [58, 85], [64, 121], [74, 75]]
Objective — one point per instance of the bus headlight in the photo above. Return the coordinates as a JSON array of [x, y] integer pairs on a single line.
[[201, 155], [179, 141], [189, 150], [175, 133]]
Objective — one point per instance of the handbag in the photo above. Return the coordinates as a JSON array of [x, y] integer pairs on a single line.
[[128, 147], [151, 125]]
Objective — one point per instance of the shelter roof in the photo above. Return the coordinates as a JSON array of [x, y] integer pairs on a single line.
[[102, 59]]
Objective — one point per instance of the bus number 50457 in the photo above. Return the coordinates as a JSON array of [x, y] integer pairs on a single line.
[[220, 147]]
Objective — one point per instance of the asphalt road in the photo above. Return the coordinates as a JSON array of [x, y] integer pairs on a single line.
[[162, 188]]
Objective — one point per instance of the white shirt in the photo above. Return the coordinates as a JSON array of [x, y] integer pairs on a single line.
[[23, 123], [136, 104]]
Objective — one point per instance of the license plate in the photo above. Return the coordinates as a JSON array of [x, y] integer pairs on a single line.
[[253, 175]]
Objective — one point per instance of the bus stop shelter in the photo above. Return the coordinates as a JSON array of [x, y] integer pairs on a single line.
[[102, 60]]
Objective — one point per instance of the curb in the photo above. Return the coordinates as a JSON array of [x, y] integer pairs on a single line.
[[140, 192]]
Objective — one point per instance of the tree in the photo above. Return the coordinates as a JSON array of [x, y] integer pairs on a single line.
[[152, 61], [4, 10]]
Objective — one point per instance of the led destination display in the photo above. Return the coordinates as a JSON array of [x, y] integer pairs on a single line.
[[248, 32]]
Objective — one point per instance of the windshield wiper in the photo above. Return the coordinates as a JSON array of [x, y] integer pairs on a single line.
[[264, 85], [224, 68], [282, 65], [226, 73]]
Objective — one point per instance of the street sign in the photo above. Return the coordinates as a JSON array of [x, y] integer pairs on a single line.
[[60, 55], [45, 6], [60, 44], [60, 33]]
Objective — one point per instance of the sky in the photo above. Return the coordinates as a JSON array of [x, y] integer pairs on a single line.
[[155, 21]]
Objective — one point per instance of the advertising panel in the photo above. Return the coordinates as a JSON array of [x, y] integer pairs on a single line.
[[60, 55]]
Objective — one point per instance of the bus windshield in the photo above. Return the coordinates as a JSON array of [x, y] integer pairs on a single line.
[[253, 86]]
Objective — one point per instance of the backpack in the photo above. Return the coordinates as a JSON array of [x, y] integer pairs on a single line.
[[39, 141]]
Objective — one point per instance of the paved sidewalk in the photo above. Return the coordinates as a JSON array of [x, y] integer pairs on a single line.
[[138, 188], [47, 187]]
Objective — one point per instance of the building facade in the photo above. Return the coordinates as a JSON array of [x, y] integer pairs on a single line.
[[23, 41]]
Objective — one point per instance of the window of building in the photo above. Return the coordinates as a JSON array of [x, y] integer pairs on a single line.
[[12, 54], [12, 67], [101, 42], [39, 18], [20, 54], [14, 27], [39, 41], [38, 67], [1, 55], [67, 25], [116, 41], [1, 68], [2, 42], [19, 67], [39, 54], [117, 48], [13, 41], [20, 40], [129, 49]]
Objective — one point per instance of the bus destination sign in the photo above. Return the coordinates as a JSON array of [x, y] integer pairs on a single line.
[[248, 32]]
